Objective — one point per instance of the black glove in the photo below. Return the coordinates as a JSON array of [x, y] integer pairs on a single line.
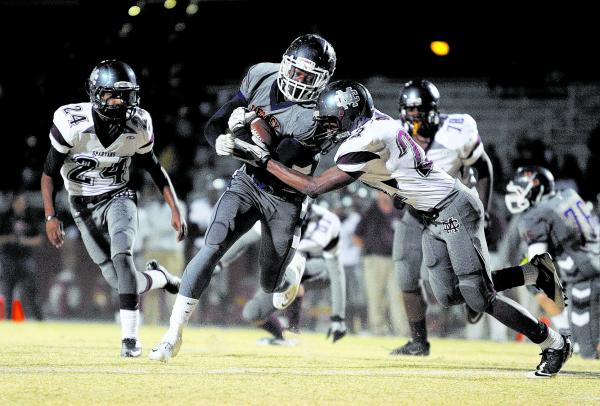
[[255, 155], [337, 330]]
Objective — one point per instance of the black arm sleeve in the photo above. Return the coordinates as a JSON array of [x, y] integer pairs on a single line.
[[218, 122], [54, 161], [150, 163]]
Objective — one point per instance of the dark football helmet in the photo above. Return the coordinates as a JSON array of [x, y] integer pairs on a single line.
[[528, 186], [343, 107], [306, 68], [117, 78], [425, 97]]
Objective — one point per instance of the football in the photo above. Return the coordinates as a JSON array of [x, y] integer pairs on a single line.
[[260, 128]]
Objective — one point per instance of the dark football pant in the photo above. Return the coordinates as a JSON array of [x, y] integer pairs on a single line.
[[242, 204], [456, 255], [584, 315]]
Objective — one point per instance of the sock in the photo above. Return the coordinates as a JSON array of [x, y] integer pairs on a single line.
[[294, 311], [129, 323], [418, 331], [180, 315], [155, 280], [508, 278], [560, 321], [530, 273], [554, 340], [273, 326]]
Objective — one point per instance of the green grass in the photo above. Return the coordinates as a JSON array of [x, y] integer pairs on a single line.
[[79, 363]]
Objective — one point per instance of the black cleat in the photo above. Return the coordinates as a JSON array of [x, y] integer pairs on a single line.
[[173, 281], [415, 348], [473, 317], [553, 360], [131, 348], [548, 280]]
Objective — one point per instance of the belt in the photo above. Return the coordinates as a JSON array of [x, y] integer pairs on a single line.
[[95, 199], [289, 196]]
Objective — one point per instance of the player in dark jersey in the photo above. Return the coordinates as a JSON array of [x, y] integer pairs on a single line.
[[560, 222], [284, 95], [93, 145]]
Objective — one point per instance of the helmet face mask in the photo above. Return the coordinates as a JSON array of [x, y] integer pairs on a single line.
[[528, 187], [112, 80], [305, 69], [418, 106]]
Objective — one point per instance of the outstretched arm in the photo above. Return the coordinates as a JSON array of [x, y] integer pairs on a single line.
[[313, 186]]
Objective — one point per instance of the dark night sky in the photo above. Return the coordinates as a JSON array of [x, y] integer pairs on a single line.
[[49, 48]]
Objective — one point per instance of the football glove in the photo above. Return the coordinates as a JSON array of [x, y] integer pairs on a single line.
[[251, 153], [224, 144], [239, 118], [337, 330]]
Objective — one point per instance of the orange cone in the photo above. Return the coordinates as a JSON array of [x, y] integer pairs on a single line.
[[17, 311], [2, 308]]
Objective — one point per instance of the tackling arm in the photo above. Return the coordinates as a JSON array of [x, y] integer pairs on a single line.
[[313, 186]]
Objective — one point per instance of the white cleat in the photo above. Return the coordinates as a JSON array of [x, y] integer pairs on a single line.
[[164, 351], [281, 300]]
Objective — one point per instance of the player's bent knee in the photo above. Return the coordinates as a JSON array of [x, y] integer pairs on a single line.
[[475, 298], [110, 274]]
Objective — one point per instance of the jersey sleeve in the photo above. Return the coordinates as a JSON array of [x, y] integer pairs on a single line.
[[147, 129], [534, 228], [353, 155], [60, 132], [471, 147], [250, 80]]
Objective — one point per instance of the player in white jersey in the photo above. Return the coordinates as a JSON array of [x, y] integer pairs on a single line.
[[317, 258], [452, 142], [93, 145], [378, 151]]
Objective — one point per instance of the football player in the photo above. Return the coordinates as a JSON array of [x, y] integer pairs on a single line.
[[452, 142], [559, 221], [378, 150], [318, 253], [93, 145], [284, 95]]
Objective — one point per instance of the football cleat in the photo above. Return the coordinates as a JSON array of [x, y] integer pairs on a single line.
[[164, 351], [553, 360], [473, 317], [548, 280], [281, 300], [414, 348], [131, 348], [173, 281]]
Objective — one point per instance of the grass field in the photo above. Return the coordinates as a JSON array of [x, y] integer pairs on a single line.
[[79, 363]]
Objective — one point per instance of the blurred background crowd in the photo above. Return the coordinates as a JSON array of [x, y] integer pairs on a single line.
[[534, 93]]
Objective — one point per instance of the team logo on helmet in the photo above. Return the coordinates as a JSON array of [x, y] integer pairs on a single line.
[[347, 98]]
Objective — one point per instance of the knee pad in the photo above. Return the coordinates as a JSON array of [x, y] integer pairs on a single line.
[[122, 242], [216, 233], [110, 274], [476, 292]]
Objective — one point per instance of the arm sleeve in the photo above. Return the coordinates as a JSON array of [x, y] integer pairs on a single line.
[[150, 163], [217, 124], [54, 161]]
